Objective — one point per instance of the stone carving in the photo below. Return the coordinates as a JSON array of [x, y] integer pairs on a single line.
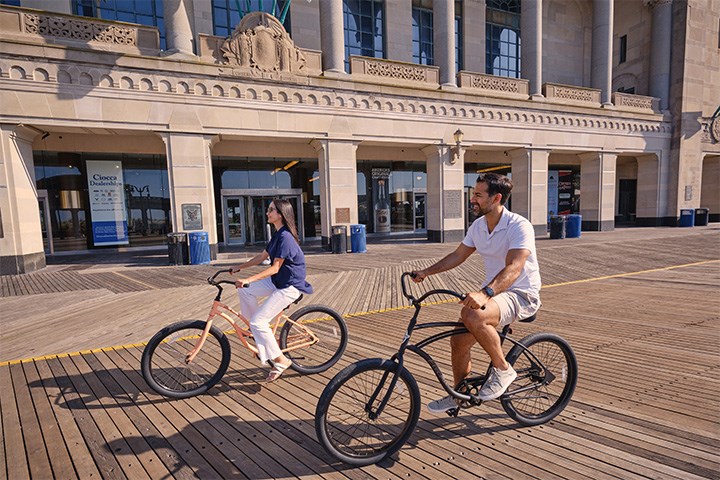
[[391, 70], [261, 43], [76, 29], [573, 94], [496, 83], [715, 129]]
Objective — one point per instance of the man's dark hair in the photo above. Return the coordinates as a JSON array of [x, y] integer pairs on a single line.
[[496, 183]]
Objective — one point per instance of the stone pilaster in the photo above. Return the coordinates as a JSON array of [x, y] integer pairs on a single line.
[[178, 32], [398, 28], [602, 48], [190, 180], [597, 190], [649, 191], [473, 37], [530, 186], [444, 41], [445, 209], [332, 37], [660, 47], [531, 33], [21, 245], [337, 166]]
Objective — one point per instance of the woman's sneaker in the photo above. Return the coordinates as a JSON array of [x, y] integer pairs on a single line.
[[497, 383], [442, 405]]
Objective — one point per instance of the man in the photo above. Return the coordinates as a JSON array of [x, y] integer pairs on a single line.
[[506, 242]]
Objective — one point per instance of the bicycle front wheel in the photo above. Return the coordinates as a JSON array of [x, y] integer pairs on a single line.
[[164, 366], [316, 340], [346, 419], [547, 375]]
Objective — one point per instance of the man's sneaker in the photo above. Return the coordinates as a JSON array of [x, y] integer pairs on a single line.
[[497, 383], [442, 405]]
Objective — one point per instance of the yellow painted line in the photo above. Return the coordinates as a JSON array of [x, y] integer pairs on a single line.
[[370, 312]]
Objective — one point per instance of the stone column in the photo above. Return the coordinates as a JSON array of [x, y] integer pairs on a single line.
[[445, 208], [21, 244], [530, 186], [602, 48], [398, 28], [332, 36], [178, 33], [649, 191], [190, 180], [597, 190], [660, 47], [337, 166], [473, 38], [444, 41], [531, 34]]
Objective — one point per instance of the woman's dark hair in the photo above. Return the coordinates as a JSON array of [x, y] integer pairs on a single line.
[[285, 209], [496, 183]]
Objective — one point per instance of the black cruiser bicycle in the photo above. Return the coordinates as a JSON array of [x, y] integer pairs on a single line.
[[369, 410]]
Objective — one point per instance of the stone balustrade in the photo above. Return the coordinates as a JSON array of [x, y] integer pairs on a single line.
[[570, 94], [56, 28], [492, 85], [378, 70], [628, 101]]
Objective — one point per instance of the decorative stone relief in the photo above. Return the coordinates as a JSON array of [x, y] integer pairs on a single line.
[[76, 29], [492, 83], [392, 70], [573, 94], [261, 43]]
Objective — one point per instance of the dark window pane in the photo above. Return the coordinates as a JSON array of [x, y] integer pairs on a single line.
[[144, 7]]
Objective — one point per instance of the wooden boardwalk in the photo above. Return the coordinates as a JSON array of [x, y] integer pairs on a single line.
[[643, 316]]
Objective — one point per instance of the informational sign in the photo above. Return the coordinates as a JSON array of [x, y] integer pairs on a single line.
[[553, 180], [108, 212], [380, 177], [452, 201], [192, 216], [565, 192]]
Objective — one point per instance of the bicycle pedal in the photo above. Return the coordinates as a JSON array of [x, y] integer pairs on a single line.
[[453, 412]]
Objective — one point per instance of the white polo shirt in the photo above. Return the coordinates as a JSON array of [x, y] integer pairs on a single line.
[[513, 231]]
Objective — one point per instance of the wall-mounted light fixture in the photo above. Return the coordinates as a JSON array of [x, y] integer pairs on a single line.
[[455, 151]]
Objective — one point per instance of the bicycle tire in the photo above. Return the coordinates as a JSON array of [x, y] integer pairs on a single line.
[[362, 441], [332, 334], [542, 403], [163, 363]]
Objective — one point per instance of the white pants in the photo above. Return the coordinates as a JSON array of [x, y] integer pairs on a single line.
[[261, 315]]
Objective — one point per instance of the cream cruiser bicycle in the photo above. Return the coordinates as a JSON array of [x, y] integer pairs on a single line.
[[189, 357]]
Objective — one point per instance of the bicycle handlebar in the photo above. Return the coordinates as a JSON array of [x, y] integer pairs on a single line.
[[459, 296], [214, 283]]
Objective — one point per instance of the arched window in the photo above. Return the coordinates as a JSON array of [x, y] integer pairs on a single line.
[[502, 38]]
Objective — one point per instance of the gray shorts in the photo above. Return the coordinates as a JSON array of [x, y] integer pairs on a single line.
[[515, 305]]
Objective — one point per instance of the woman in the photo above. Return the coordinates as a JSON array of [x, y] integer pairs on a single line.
[[282, 283]]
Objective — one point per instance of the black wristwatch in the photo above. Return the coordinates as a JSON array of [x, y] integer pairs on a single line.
[[488, 291]]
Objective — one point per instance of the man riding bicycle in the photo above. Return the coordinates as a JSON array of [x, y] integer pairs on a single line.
[[506, 241]]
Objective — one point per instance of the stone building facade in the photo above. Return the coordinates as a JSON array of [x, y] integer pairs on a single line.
[[120, 133]]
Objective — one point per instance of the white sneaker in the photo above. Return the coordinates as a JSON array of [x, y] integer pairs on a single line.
[[442, 405], [497, 383]]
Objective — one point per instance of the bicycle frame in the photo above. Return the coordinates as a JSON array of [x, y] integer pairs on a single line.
[[457, 329], [224, 311]]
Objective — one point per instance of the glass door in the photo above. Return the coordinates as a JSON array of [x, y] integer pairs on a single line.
[[260, 229], [45, 226], [234, 220]]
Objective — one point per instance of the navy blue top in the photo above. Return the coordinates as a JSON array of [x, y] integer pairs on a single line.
[[292, 272]]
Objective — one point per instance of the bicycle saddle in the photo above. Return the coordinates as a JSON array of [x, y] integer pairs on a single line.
[[296, 301], [531, 318]]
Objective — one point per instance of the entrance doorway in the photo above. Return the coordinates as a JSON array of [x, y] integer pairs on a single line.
[[420, 199], [627, 201], [245, 220]]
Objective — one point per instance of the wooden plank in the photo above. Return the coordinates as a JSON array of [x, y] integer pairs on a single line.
[[79, 453], [92, 435], [17, 460], [57, 451]]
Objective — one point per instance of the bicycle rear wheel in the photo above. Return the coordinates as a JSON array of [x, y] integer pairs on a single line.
[[163, 362], [317, 339], [343, 423], [547, 379]]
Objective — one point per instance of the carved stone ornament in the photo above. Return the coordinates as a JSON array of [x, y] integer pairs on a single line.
[[78, 29], [715, 129], [261, 43]]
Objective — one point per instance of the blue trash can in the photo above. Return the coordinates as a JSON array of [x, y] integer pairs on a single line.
[[573, 223], [199, 248], [687, 217], [358, 241]]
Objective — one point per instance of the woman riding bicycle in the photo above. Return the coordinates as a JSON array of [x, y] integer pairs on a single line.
[[282, 283]]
